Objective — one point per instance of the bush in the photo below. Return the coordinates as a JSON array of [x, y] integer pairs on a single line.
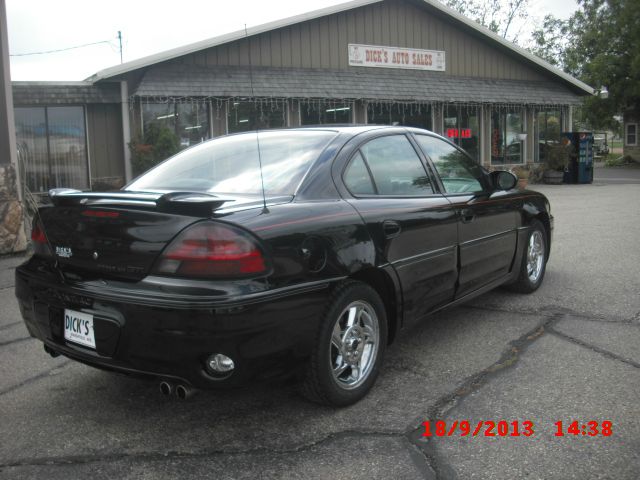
[[557, 157], [158, 144]]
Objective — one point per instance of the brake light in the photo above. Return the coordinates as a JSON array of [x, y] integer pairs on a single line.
[[39, 239], [212, 250]]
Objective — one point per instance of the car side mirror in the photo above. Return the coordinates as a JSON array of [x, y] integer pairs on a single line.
[[503, 180]]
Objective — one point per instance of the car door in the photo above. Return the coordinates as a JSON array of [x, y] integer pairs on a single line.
[[487, 220], [413, 226]]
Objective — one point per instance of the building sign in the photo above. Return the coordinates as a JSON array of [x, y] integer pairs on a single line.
[[394, 57]]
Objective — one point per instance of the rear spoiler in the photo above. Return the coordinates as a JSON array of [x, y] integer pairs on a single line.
[[182, 203]]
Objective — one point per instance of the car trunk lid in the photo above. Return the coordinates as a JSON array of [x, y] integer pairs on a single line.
[[120, 234]]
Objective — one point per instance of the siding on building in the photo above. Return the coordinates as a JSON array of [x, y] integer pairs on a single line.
[[106, 146], [322, 43]]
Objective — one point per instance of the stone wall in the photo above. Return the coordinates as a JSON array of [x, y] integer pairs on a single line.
[[12, 233]]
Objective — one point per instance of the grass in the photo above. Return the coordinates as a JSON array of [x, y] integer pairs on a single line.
[[616, 160]]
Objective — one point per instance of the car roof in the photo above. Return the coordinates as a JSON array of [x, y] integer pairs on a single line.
[[352, 129]]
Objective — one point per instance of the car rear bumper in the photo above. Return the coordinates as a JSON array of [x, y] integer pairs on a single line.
[[266, 334]]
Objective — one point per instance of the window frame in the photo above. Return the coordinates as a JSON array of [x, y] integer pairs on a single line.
[[434, 180], [484, 181], [626, 134]]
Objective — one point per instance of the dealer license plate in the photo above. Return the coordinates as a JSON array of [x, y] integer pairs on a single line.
[[78, 328]]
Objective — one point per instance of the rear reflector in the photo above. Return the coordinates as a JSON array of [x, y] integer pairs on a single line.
[[39, 239], [210, 250]]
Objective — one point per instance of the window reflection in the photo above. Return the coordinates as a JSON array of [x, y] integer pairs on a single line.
[[246, 116], [462, 127], [396, 167], [326, 112], [187, 122], [548, 133], [52, 147], [407, 115], [506, 127], [459, 174]]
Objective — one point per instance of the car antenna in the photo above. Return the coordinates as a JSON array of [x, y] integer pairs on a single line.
[[264, 197]]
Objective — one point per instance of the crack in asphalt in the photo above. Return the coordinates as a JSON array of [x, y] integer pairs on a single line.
[[601, 351], [508, 359], [157, 456], [9, 325], [447, 402], [35, 378], [550, 311], [15, 340]]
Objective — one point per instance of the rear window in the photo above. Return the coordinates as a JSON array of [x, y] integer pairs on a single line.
[[231, 164]]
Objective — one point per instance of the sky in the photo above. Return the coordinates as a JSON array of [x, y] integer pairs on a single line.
[[147, 26]]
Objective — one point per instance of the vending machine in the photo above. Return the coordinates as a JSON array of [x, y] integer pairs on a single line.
[[580, 168]]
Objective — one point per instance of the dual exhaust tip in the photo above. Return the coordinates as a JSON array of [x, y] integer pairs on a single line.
[[183, 392]]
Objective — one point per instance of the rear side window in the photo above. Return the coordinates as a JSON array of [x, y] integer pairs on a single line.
[[357, 178], [394, 165], [459, 174]]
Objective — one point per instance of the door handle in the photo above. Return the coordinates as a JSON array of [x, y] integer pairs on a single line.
[[467, 215], [391, 228]]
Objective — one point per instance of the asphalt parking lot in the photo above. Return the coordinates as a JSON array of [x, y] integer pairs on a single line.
[[568, 352]]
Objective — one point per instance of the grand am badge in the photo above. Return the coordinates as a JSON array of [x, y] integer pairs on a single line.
[[64, 252]]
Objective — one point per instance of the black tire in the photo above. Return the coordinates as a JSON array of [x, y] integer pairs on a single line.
[[322, 382], [526, 282]]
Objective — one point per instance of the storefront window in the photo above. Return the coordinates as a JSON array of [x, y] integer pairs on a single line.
[[52, 147], [408, 115], [462, 127], [245, 116], [326, 113], [506, 145], [548, 133], [189, 122]]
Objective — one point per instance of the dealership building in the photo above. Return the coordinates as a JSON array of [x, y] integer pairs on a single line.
[[406, 62]]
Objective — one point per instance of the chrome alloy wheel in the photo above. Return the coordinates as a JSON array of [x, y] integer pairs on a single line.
[[354, 344], [535, 256]]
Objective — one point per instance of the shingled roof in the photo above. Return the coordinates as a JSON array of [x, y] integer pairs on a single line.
[[234, 81], [52, 93]]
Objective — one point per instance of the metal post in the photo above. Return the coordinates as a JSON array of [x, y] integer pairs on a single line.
[[120, 40], [126, 129], [12, 234]]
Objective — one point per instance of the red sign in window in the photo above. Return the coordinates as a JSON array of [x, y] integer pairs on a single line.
[[462, 133]]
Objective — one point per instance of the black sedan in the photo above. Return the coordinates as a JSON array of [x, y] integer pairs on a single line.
[[296, 252]]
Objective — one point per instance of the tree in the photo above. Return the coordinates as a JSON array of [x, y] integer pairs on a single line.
[[497, 15], [600, 45], [550, 39]]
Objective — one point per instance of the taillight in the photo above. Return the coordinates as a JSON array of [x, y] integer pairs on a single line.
[[39, 239], [209, 250]]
